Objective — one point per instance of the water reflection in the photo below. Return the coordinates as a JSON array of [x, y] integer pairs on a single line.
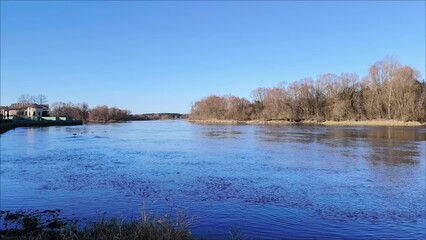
[[230, 134], [388, 145]]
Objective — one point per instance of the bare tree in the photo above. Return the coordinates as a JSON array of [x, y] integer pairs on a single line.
[[211, 107], [41, 99], [276, 104], [99, 114], [238, 108], [259, 94], [26, 98], [106, 114], [84, 107]]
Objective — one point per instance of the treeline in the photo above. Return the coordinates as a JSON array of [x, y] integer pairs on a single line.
[[158, 116], [106, 114], [84, 113], [389, 91]]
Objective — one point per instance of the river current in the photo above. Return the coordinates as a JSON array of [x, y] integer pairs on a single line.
[[271, 182]]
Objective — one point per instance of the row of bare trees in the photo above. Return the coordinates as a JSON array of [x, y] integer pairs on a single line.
[[108, 114], [389, 91], [83, 112], [216, 107], [37, 99], [76, 111]]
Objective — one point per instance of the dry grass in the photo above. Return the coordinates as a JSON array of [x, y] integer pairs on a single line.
[[218, 122], [33, 225], [391, 123]]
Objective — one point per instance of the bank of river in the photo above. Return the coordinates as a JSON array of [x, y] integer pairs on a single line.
[[388, 123], [6, 126]]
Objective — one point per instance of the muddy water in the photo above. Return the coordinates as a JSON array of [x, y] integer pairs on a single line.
[[268, 181]]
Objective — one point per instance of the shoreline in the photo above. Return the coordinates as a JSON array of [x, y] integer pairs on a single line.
[[382, 123], [4, 127]]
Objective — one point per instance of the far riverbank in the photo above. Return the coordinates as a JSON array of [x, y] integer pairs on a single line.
[[389, 123]]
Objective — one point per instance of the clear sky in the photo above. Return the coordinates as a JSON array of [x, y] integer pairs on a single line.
[[162, 56]]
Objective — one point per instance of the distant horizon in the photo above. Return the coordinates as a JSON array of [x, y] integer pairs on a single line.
[[160, 57]]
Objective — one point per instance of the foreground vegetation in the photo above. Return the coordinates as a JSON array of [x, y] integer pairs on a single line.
[[390, 91], [49, 225]]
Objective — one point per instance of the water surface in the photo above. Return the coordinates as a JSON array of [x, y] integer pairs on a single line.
[[268, 181]]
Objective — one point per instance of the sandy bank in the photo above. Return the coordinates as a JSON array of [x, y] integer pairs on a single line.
[[392, 123], [217, 121]]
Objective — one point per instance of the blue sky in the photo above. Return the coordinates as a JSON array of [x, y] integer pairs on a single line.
[[162, 56]]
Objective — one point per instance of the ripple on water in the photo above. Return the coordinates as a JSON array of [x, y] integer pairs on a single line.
[[279, 181]]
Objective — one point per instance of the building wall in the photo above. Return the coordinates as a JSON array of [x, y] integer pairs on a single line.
[[34, 112], [13, 112]]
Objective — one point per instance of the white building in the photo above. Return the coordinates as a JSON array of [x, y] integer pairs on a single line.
[[25, 110]]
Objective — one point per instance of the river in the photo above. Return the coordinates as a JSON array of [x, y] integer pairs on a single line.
[[271, 182]]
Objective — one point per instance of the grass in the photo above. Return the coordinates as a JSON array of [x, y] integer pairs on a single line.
[[313, 122], [48, 225], [389, 123]]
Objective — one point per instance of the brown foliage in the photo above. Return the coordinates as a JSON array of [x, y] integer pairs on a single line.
[[76, 111], [106, 114], [82, 112], [216, 107]]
